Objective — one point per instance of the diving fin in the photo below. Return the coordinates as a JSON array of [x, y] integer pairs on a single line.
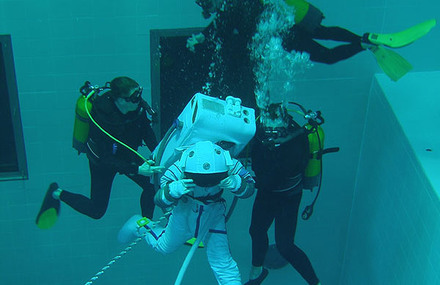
[[402, 38], [50, 209], [392, 64], [191, 241]]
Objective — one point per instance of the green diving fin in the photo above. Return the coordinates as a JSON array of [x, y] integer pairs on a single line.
[[191, 241], [402, 38], [50, 209], [392, 63]]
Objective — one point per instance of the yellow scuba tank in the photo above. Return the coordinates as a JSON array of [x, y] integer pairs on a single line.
[[81, 125], [316, 145]]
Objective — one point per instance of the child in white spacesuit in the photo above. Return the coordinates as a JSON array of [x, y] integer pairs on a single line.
[[194, 185]]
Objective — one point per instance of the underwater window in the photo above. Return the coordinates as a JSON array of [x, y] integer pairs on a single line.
[[176, 74], [12, 152]]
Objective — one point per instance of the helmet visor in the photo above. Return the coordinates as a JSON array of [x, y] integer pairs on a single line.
[[206, 180]]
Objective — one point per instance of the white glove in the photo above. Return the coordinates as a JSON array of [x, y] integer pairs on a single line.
[[181, 187], [231, 183], [147, 168]]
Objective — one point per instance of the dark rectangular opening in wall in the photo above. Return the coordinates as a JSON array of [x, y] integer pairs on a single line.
[[12, 153], [176, 74]]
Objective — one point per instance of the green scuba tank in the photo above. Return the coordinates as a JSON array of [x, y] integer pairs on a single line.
[[316, 145], [301, 9], [81, 125]]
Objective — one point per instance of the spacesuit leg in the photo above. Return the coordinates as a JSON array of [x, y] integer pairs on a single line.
[[217, 249], [169, 239]]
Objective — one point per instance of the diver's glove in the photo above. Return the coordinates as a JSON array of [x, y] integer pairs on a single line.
[[194, 40], [181, 187], [148, 168], [231, 183]]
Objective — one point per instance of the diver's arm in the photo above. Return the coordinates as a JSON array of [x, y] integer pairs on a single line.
[[246, 189], [123, 167], [172, 192], [99, 152], [163, 198], [217, 30], [101, 149], [148, 135], [119, 166], [247, 185]]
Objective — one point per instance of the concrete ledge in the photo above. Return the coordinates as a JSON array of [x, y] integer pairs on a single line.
[[415, 101]]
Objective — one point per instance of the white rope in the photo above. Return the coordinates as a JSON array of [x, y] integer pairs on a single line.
[[187, 261], [124, 251]]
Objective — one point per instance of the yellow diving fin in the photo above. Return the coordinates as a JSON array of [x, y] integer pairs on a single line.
[[50, 209], [402, 38], [392, 63]]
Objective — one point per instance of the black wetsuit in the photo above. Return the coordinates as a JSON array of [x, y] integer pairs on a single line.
[[234, 27], [302, 40], [279, 172], [106, 157]]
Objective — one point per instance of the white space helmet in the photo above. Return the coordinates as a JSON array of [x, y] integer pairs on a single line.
[[205, 157], [206, 163]]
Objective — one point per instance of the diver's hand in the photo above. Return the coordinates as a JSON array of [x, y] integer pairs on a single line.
[[231, 183], [148, 168], [194, 40], [181, 187]]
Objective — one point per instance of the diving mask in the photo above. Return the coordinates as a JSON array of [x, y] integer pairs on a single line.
[[135, 97]]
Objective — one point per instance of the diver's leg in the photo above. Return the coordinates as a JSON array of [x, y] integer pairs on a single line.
[[299, 40], [262, 217], [336, 34], [147, 196], [263, 213], [101, 184], [285, 229], [319, 53]]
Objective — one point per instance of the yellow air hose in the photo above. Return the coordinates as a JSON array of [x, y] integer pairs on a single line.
[[105, 132]]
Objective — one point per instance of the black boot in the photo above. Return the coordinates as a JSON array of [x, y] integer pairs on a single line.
[[259, 279]]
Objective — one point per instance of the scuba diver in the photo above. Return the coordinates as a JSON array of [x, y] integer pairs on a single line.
[[300, 37], [193, 186], [280, 154], [235, 23], [121, 112]]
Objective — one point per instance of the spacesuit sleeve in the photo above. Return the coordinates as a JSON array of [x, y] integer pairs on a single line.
[[162, 198], [247, 187]]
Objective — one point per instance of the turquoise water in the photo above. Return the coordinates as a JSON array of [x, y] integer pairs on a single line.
[[376, 221]]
